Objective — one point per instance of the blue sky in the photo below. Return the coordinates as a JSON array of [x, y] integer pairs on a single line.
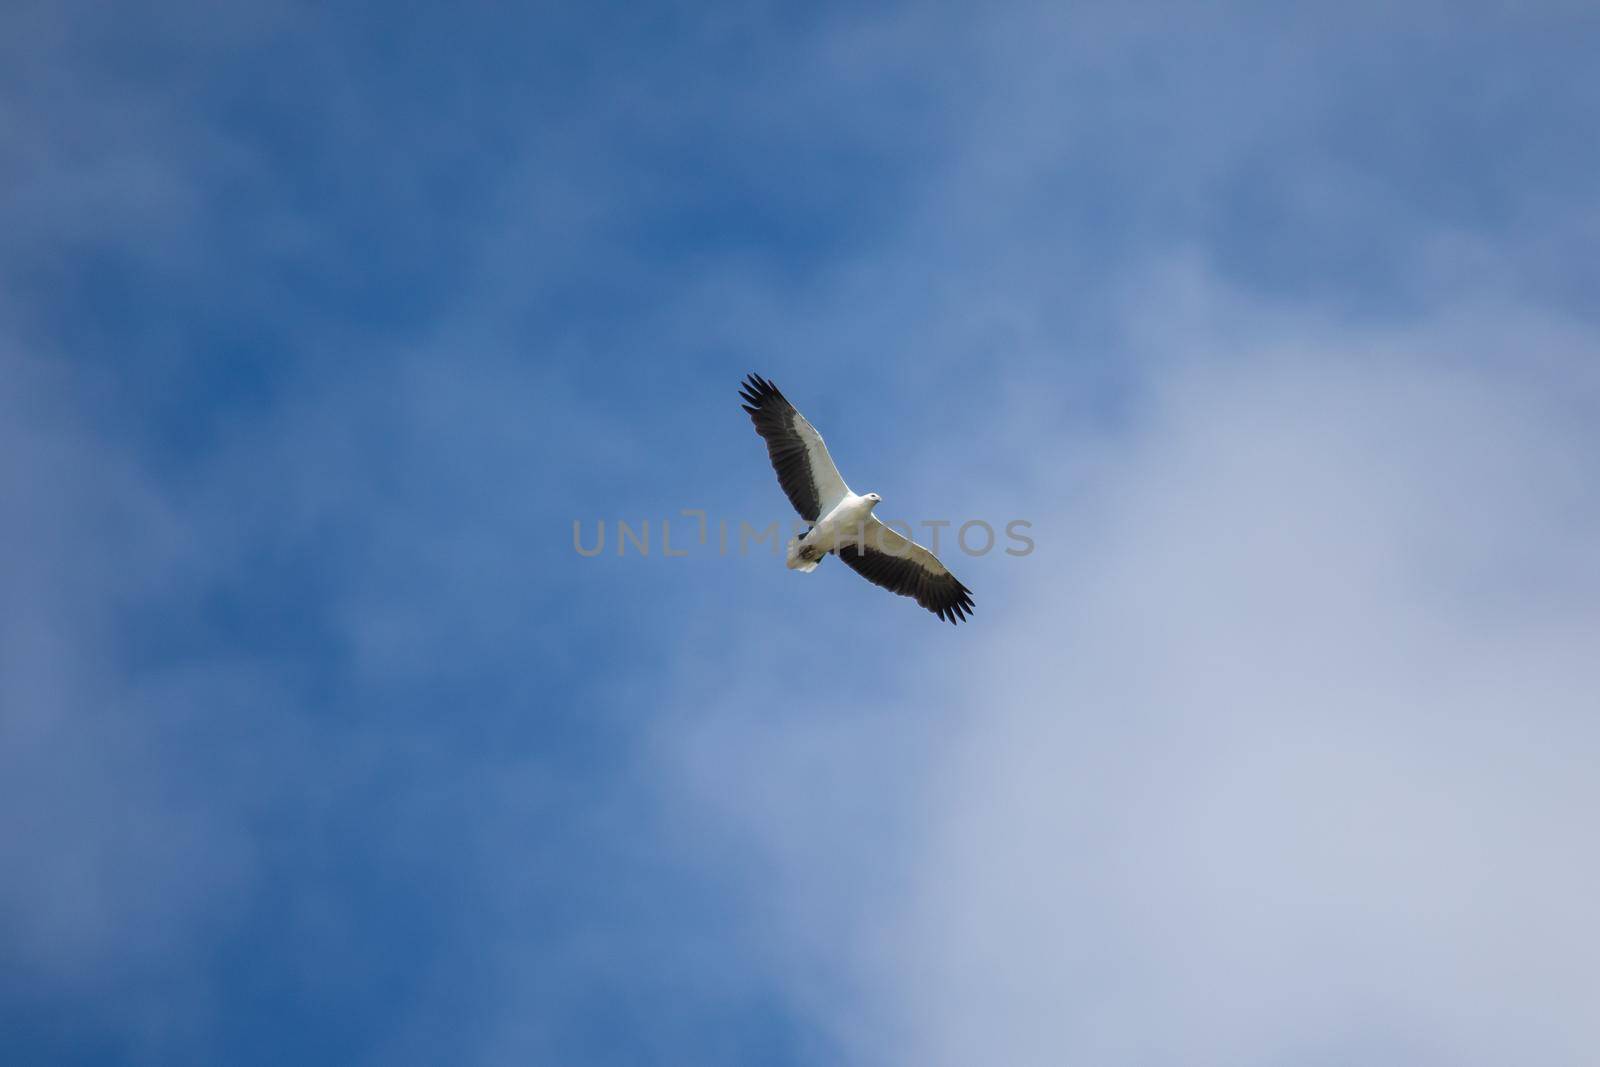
[[319, 327]]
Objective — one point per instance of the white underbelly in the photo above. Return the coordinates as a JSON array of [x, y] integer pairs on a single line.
[[844, 525]]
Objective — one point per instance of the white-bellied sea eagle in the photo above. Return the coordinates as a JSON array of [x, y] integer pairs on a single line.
[[841, 521]]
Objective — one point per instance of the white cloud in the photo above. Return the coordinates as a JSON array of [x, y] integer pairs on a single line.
[[1280, 749]]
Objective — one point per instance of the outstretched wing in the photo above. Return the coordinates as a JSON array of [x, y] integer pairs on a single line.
[[805, 470], [902, 566]]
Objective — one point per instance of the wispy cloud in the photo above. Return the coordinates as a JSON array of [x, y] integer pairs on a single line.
[[320, 330], [1279, 750]]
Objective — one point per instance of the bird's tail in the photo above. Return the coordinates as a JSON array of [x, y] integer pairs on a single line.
[[803, 557]]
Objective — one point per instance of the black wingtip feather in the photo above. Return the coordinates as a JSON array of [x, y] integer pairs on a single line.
[[760, 389]]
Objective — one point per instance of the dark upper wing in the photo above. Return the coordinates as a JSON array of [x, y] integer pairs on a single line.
[[805, 470], [902, 566]]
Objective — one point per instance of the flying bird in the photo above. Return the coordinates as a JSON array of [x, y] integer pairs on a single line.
[[842, 522]]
